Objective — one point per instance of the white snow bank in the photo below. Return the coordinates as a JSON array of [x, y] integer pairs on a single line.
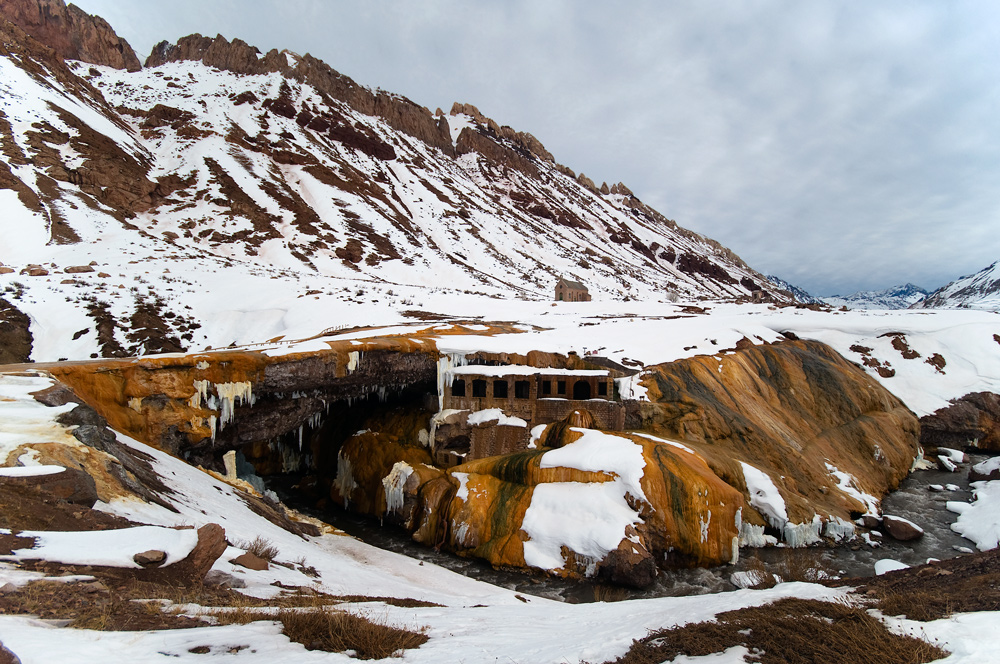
[[764, 496], [979, 521], [971, 638], [495, 414], [848, 485], [26, 421], [888, 565], [30, 471], [597, 451], [589, 519], [988, 466], [112, 548]]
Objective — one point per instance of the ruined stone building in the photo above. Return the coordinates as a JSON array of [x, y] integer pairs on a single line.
[[571, 291], [491, 410]]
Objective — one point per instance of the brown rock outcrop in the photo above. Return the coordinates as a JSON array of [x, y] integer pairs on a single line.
[[522, 140], [973, 420], [470, 140], [192, 570], [71, 32], [15, 334], [682, 513], [789, 409]]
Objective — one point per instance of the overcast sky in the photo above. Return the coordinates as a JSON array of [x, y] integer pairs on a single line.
[[839, 145]]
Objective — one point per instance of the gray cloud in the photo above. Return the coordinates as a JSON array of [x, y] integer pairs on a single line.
[[838, 145]]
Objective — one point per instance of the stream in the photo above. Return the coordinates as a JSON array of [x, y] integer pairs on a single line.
[[917, 500]]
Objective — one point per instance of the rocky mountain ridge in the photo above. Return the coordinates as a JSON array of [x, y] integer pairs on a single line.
[[217, 158], [975, 291], [895, 297]]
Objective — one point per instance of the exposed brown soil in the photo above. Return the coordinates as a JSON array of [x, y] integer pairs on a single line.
[[30, 508], [936, 590]]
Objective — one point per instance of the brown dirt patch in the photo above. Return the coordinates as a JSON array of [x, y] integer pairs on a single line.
[[936, 590], [27, 507], [788, 631]]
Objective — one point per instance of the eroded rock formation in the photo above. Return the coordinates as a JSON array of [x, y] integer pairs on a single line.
[[612, 506], [798, 412], [973, 420], [71, 32]]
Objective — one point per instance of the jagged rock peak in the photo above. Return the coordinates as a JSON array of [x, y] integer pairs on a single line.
[[242, 58], [521, 139], [71, 32]]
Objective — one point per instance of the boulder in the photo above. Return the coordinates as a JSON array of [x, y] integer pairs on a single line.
[[985, 471], [796, 410], [218, 578], [900, 528], [250, 561], [7, 657], [641, 502], [193, 568], [151, 558]]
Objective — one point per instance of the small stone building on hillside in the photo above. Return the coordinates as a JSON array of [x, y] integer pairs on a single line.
[[491, 410], [571, 291]]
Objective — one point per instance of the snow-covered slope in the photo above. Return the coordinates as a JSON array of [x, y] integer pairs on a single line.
[[976, 291], [142, 193], [799, 294], [897, 297]]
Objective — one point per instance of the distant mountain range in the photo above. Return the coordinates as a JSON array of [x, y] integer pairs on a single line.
[[977, 291], [799, 294], [897, 297]]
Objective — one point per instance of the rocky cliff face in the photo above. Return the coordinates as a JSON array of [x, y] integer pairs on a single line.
[[796, 411], [71, 32], [777, 442], [972, 421]]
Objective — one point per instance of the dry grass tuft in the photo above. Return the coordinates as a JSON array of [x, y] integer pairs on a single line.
[[794, 631], [260, 546], [333, 630]]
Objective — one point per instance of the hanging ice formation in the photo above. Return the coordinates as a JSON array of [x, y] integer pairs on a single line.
[[227, 396], [446, 363], [394, 483]]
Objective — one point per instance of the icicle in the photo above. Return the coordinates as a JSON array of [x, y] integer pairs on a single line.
[[394, 483], [352, 360], [300, 438], [200, 393], [345, 480], [230, 394]]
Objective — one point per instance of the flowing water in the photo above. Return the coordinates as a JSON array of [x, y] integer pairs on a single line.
[[916, 500]]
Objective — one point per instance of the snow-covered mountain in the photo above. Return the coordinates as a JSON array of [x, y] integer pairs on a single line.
[[897, 297], [216, 167], [799, 294], [976, 291]]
